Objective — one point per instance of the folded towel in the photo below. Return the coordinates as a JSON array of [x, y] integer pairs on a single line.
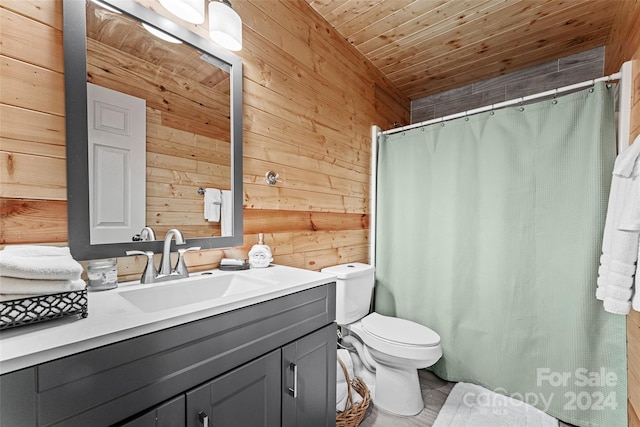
[[10, 297], [35, 250], [212, 202], [47, 267], [16, 286]]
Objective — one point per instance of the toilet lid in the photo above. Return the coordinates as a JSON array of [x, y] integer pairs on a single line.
[[400, 330]]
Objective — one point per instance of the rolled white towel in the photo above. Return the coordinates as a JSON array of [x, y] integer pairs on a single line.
[[346, 359], [17, 286], [46, 267], [341, 389], [341, 384]]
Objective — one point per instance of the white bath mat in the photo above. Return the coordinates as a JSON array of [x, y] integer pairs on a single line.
[[470, 405]]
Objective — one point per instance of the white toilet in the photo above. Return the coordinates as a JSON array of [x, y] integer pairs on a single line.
[[395, 348]]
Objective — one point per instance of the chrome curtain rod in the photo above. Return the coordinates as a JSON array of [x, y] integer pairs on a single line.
[[615, 76]]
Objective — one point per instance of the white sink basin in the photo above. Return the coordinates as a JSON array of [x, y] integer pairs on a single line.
[[192, 290]]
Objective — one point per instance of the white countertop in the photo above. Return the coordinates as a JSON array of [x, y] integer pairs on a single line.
[[114, 318]]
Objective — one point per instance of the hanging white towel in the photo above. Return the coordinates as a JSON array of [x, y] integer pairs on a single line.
[[212, 202], [635, 300], [341, 381], [621, 237], [226, 222]]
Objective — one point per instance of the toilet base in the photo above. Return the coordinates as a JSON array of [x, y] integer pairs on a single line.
[[398, 391]]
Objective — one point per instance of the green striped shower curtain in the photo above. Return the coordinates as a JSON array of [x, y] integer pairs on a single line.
[[489, 231]]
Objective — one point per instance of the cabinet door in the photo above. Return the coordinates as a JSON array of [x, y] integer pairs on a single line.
[[169, 414], [309, 380], [248, 396]]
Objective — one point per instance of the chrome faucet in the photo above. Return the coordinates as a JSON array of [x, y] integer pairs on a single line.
[[147, 233], [151, 275], [165, 261]]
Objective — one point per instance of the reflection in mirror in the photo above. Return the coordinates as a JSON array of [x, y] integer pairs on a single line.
[[187, 96]]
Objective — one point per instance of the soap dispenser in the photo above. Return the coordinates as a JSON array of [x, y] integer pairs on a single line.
[[260, 254]]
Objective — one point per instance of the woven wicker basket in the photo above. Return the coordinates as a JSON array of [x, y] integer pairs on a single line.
[[353, 414]]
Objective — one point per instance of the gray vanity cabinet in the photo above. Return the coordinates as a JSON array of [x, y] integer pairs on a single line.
[[308, 380], [235, 369]]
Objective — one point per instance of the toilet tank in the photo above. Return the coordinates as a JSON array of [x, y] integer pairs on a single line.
[[354, 288]]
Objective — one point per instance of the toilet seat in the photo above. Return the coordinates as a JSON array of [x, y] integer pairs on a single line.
[[423, 343], [399, 331]]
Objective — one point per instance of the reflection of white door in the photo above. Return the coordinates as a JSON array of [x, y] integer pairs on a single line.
[[117, 164]]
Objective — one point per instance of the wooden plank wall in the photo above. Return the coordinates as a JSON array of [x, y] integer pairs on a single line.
[[624, 45], [309, 103], [187, 139]]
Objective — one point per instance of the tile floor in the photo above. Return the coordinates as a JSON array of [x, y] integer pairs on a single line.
[[434, 393]]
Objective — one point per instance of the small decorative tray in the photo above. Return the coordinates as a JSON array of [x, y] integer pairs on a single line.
[[35, 309]]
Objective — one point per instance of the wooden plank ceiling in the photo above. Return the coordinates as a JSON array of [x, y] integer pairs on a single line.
[[429, 46]]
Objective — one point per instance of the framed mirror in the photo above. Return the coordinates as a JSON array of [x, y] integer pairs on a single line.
[[186, 97]]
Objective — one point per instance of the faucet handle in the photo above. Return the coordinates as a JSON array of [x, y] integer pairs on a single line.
[[181, 266], [150, 273]]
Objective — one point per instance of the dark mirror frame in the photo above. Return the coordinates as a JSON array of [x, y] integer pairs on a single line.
[[75, 76]]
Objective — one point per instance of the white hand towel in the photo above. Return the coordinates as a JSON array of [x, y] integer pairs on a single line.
[[39, 267], [36, 250], [212, 202], [226, 222], [16, 286]]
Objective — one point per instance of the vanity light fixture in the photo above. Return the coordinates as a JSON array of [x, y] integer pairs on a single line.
[[188, 10], [160, 34], [225, 25]]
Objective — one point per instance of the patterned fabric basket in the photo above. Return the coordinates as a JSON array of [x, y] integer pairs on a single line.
[[353, 414], [34, 309]]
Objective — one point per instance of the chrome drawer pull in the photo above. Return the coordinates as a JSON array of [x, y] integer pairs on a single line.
[[204, 419], [294, 390]]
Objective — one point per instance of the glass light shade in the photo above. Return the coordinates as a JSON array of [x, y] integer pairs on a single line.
[[225, 26], [188, 10], [161, 34]]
